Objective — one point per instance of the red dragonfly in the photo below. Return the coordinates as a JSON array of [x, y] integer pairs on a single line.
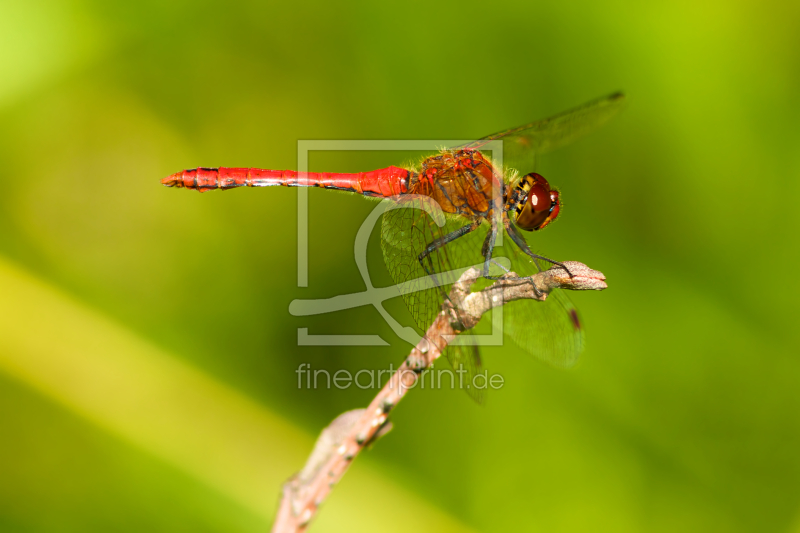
[[479, 201]]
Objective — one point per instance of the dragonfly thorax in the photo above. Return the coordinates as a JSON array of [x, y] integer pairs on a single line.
[[532, 203], [462, 182]]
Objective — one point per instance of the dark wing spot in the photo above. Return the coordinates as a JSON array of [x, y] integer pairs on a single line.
[[573, 314]]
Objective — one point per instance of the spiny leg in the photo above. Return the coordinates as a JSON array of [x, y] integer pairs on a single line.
[[488, 249], [501, 266], [519, 240], [440, 242]]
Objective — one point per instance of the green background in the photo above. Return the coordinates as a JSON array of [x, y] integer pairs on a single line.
[[147, 356]]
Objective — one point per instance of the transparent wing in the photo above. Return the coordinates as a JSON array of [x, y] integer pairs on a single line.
[[407, 228], [550, 330], [523, 143], [468, 358]]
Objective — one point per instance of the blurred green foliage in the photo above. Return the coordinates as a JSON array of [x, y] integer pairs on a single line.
[[147, 357]]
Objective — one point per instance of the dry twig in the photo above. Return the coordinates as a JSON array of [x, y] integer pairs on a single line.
[[350, 432]]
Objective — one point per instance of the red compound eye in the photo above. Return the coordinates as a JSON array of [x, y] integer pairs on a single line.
[[541, 205], [539, 197], [555, 204]]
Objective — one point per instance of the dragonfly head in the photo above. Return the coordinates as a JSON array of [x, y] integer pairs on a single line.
[[537, 205]]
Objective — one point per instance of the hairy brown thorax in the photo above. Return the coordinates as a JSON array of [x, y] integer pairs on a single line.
[[462, 182]]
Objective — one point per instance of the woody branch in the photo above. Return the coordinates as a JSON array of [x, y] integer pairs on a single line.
[[352, 431]]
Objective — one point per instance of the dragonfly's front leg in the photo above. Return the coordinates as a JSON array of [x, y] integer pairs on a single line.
[[519, 240], [501, 266]]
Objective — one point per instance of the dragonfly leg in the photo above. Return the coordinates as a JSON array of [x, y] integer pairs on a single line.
[[519, 240], [439, 243], [442, 241], [497, 263], [487, 251]]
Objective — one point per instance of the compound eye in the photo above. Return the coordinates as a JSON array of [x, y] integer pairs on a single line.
[[541, 205], [539, 197], [555, 207]]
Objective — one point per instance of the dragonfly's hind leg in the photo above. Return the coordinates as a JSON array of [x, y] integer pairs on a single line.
[[440, 242], [425, 257]]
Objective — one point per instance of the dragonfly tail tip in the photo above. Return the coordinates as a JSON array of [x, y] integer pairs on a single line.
[[173, 180]]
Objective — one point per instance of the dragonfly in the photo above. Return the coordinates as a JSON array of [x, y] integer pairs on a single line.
[[447, 213]]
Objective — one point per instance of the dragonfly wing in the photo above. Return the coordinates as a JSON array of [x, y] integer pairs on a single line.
[[407, 228], [466, 361], [523, 143], [550, 330]]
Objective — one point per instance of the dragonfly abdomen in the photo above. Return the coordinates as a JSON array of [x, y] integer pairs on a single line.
[[384, 182]]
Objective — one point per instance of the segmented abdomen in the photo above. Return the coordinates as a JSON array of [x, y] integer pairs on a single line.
[[384, 182]]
